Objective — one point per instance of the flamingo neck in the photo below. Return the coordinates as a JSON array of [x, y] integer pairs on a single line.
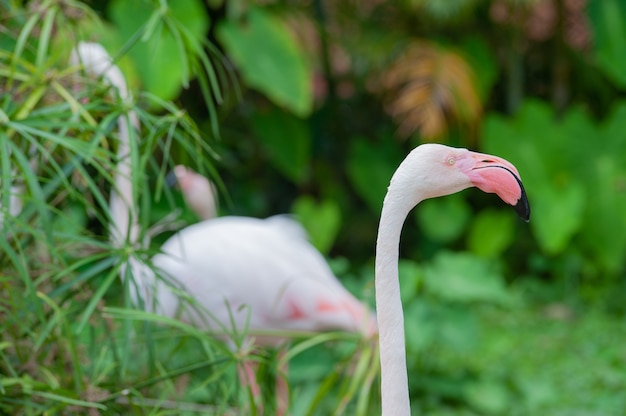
[[394, 379], [124, 227]]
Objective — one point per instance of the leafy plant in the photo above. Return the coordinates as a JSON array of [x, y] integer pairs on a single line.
[[580, 180], [306, 129], [428, 88], [269, 59]]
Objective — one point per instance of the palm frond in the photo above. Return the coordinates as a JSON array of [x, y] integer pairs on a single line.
[[428, 89]]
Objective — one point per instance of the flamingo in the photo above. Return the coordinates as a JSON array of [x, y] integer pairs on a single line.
[[198, 192], [15, 203], [429, 171], [17, 189], [200, 195], [301, 292], [242, 274]]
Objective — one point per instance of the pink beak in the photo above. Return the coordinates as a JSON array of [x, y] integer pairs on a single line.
[[493, 174]]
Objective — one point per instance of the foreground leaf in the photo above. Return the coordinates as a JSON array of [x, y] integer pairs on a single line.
[[269, 59]]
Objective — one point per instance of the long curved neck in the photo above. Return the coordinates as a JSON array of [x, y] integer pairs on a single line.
[[394, 380], [124, 226]]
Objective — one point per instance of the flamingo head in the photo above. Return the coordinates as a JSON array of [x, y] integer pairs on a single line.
[[199, 193], [443, 170]]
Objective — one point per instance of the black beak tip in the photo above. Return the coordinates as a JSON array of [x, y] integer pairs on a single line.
[[523, 207], [171, 180]]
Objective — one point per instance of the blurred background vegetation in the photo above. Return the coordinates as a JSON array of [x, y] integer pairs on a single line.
[[308, 107]]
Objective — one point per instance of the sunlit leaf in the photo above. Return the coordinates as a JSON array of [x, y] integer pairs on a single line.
[[605, 223], [491, 232], [433, 324], [269, 59], [552, 228], [463, 277], [444, 219], [159, 59], [550, 166], [321, 220], [490, 397], [604, 230]]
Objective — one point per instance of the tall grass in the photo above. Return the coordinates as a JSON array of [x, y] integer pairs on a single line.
[[71, 343]]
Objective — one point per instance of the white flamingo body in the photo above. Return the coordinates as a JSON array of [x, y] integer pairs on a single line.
[[253, 272]]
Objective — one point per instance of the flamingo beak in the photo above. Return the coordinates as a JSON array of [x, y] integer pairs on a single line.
[[171, 180], [174, 177], [493, 174]]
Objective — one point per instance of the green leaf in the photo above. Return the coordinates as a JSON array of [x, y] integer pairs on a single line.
[[604, 230], [287, 140], [549, 163], [480, 57], [410, 275], [492, 231], [370, 167], [458, 328], [430, 324], [561, 215], [270, 60], [420, 326], [443, 219], [488, 396], [321, 220], [160, 59], [463, 277], [605, 223], [608, 22]]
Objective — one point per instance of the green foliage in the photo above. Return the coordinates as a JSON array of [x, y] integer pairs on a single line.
[[369, 167], [572, 169], [71, 341], [478, 54], [441, 11], [439, 299], [604, 230], [462, 277], [492, 232], [269, 59], [444, 219], [286, 139], [609, 34], [310, 135], [321, 220], [166, 32]]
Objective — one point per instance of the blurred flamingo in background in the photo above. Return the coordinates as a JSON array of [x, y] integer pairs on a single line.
[[17, 189], [429, 171], [273, 270], [198, 192], [15, 203], [301, 292], [229, 274]]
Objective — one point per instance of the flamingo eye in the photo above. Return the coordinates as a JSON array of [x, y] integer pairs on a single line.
[[451, 161]]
